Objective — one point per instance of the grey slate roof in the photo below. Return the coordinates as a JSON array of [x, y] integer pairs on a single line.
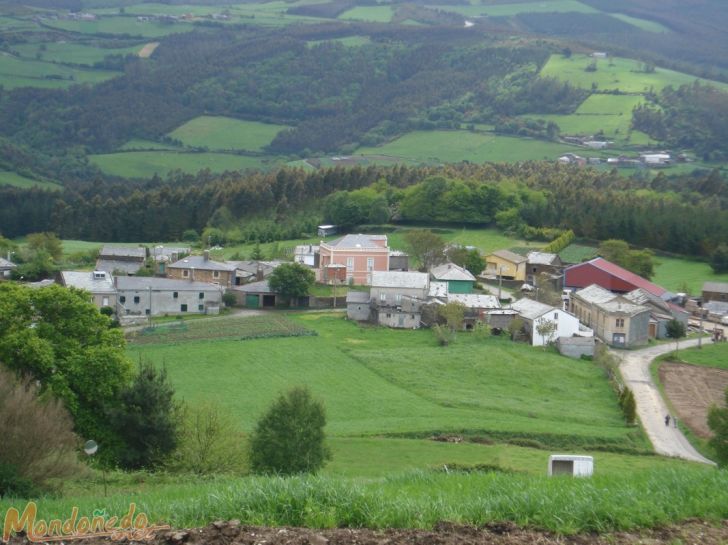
[[595, 294], [200, 263], [450, 271], [85, 280], [5, 264], [254, 287], [618, 304], [124, 283], [610, 302], [510, 256], [358, 241], [400, 279], [353, 296], [110, 265], [165, 253], [474, 300], [129, 252], [438, 289], [530, 309], [541, 258], [716, 287]]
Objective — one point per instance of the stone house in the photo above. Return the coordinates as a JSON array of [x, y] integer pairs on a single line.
[[388, 287], [200, 268], [99, 284], [118, 260], [358, 306], [715, 291], [151, 296], [6, 268], [544, 263], [661, 312]]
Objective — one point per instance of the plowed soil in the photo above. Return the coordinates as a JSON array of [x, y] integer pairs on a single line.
[[692, 389], [232, 533]]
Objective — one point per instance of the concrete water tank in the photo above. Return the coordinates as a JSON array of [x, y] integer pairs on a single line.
[[571, 464]]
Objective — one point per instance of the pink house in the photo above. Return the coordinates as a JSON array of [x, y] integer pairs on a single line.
[[353, 258]]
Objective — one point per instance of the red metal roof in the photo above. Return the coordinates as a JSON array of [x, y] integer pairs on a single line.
[[623, 274]]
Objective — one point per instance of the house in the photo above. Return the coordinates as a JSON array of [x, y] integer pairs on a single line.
[[506, 264], [255, 295], [536, 314], [656, 159], [576, 347], [715, 291], [388, 287], [459, 280], [6, 268], [152, 296], [406, 315], [357, 306], [200, 268], [163, 255], [120, 260], [99, 284], [615, 319], [398, 261], [252, 271], [306, 254], [661, 312], [609, 276], [477, 306], [572, 159], [544, 263], [326, 230], [361, 255]]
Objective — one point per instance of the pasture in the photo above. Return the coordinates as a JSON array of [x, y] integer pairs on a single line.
[[677, 274], [71, 53], [710, 355], [616, 73], [13, 178], [145, 164], [506, 9], [644, 24], [22, 72], [442, 146], [376, 14], [121, 25], [225, 133]]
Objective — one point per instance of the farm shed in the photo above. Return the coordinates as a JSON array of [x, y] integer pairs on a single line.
[[6, 268], [255, 295], [609, 276], [715, 291]]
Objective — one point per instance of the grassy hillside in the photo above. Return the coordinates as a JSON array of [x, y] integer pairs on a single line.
[[224, 133], [12, 178], [711, 355]]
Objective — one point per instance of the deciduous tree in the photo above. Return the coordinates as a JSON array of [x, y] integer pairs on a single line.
[[291, 280], [426, 247]]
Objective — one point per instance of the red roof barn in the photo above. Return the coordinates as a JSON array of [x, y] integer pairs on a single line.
[[609, 276]]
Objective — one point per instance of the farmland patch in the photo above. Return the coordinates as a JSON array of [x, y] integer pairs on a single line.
[[225, 133]]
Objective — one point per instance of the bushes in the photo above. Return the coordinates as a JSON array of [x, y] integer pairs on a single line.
[[38, 444], [560, 243]]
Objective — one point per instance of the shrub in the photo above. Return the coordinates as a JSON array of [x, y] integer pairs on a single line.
[[229, 299], [718, 423], [628, 405], [289, 438], [38, 443], [560, 243]]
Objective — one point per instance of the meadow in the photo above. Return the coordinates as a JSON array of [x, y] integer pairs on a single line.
[[225, 133], [441, 146], [13, 178], [145, 164], [507, 9], [710, 355], [677, 274], [644, 24], [120, 25], [23, 72], [377, 14], [616, 73], [71, 53]]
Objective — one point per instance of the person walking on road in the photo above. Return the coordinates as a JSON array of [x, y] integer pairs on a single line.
[[667, 420]]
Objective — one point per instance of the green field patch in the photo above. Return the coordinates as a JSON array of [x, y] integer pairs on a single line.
[[138, 144], [18, 72], [13, 178], [576, 253], [120, 25], [348, 41], [225, 133], [71, 53], [644, 24], [377, 14], [616, 73], [455, 146], [145, 164], [251, 327], [514, 8], [676, 274], [710, 355]]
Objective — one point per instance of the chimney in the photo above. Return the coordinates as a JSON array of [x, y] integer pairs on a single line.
[[192, 274], [206, 255], [259, 272]]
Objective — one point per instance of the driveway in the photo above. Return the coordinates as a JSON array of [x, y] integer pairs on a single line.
[[651, 408]]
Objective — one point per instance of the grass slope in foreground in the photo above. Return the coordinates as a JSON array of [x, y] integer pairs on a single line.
[[376, 380], [225, 133]]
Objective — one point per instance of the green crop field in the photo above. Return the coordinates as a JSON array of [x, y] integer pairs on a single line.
[[17, 72], [13, 178], [120, 25], [615, 73], [710, 355], [576, 253], [506, 9], [225, 133], [372, 385], [455, 146], [145, 164], [644, 24], [71, 53], [377, 14]]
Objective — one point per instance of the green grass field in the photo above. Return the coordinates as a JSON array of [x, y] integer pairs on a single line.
[[372, 385], [145, 164], [576, 253], [225, 133], [20, 72], [72, 53], [506, 9], [455, 146], [615, 73], [377, 14], [137, 144], [13, 178], [120, 25], [349, 41], [710, 355], [676, 273], [644, 24]]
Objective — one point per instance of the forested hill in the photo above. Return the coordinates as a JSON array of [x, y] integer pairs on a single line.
[[687, 215]]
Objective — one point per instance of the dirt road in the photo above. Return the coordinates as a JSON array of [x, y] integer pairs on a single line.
[[651, 408]]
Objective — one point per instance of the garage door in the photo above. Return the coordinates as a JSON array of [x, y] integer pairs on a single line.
[[251, 301]]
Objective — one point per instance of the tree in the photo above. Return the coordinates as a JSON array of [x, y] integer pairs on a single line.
[[546, 329], [719, 259], [638, 261], [146, 419], [56, 336], [48, 242], [257, 253], [515, 328], [628, 405], [469, 259], [426, 247], [289, 438], [546, 292], [718, 423], [39, 445], [291, 280], [229, 299], [675, 329], [454, 314]]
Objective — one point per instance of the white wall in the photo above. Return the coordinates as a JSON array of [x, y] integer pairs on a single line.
[[566, 326]]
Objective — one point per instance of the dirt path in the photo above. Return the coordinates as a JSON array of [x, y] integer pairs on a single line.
[[651, 408], [146, 51]]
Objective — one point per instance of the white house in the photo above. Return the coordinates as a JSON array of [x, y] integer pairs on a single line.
[[534, 314]]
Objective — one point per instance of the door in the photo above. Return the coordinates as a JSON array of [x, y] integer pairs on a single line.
[[251, 301], [619, 339], [653, 330]]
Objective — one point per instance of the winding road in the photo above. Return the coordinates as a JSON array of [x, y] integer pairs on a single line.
[[651, 408]]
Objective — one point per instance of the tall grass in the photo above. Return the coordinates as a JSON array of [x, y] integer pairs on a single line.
[[421, 499]]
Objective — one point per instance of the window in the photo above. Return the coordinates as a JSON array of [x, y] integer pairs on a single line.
[[175, 295], [216, 274], [349, 263], [200, 307], [185, 273], [382, 296], [398, 298], [136, 299], [620, 322], [122, 299], [105, 302], [183, 308], [202, 295], [146, 311], [370, 263], [556, 315], [389, 315]]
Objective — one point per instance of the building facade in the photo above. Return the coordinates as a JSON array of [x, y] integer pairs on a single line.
[[359, 255], [149, 296], [200, 268], [506, 264]]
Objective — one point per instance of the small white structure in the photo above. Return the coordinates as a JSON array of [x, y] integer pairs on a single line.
[[535, 314], [571, 464]]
